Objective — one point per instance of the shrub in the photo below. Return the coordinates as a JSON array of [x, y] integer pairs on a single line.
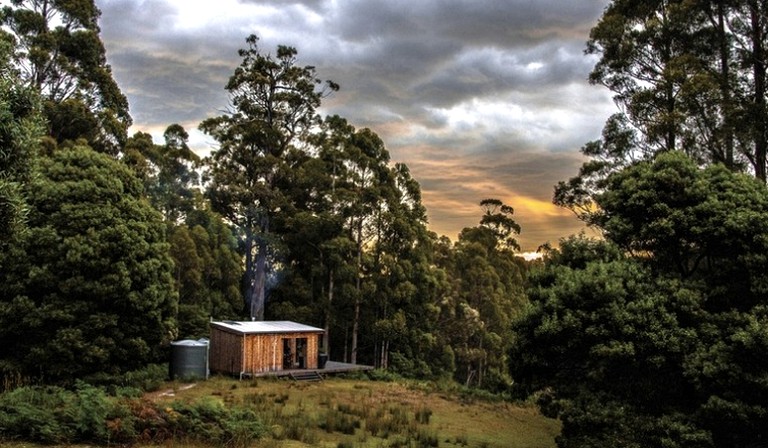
[[384, 376], [30, 413], [299, 427], [385, 422], [242, 428], [91, 406], [121, 424], [149, 379], [55, 415]]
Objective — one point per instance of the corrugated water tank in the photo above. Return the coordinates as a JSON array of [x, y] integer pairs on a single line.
[[189, 359]]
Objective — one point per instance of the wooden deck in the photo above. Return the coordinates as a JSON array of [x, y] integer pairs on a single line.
[[331, 367]]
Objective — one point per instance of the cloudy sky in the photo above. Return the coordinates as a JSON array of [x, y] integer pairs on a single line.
[[481, 99]]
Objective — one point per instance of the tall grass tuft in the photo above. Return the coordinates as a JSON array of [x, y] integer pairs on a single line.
[[336, 421], [423, 415]]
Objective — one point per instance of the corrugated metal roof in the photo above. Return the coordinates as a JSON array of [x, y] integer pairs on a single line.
[[251, 327]]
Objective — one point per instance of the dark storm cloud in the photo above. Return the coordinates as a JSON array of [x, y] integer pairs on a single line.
[[480, 98], [485, 22], [155, 100]]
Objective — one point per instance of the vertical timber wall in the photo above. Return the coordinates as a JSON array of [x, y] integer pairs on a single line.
[[257, 353], [226, 352]]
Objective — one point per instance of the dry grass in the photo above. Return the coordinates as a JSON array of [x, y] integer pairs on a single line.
[[388, 415], [341, 413]]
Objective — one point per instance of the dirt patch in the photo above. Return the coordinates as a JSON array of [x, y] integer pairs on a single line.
[[154, 396]]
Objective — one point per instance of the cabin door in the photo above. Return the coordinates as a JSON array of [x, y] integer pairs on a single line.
[[301, 352], [288, 353]]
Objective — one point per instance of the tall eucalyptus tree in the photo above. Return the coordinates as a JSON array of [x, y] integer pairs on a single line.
[[60, 53], [273, 110], [687, 75]]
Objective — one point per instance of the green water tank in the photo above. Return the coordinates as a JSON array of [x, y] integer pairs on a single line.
[[189, 360]]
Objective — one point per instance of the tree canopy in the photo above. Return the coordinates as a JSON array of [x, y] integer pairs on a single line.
[[90, 288], [273, 109], [59, 53], [687, 76], [651, 338], [21, 126]]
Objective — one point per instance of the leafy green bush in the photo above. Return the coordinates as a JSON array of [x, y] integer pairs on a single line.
[[384, 376], [31, 414], [148, 379], [55, 415]]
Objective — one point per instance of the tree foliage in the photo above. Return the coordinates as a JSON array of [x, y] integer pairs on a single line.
[[20, 128], [687, 76], [60, 53], [651, 339], [273, 109], [357, 252], [207, 272], [169, 171], [486, 294], [89, 289]]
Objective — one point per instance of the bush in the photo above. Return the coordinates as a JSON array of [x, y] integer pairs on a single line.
[[29, 413], [55, 415], [384, 376], [148, 379]]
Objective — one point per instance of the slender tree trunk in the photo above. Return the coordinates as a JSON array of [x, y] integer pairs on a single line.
[[327, 334], [670, 132], [725, 87], [257, 302], [469, 374], [355, 329], [358, 296], [384, 355], [481, 366], [250, 272], [758, 68], [346, 340], [260, 275], [480, 373]]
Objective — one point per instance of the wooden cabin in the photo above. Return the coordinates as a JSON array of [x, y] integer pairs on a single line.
[[248, 348]]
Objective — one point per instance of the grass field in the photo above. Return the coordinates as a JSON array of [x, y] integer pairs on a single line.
[[343, 413], [335, 413]]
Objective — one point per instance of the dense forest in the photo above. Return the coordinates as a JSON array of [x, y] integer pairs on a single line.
[[653, 335]]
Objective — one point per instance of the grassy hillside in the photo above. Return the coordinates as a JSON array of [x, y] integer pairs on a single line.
[[351, 413], [273, 413]]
